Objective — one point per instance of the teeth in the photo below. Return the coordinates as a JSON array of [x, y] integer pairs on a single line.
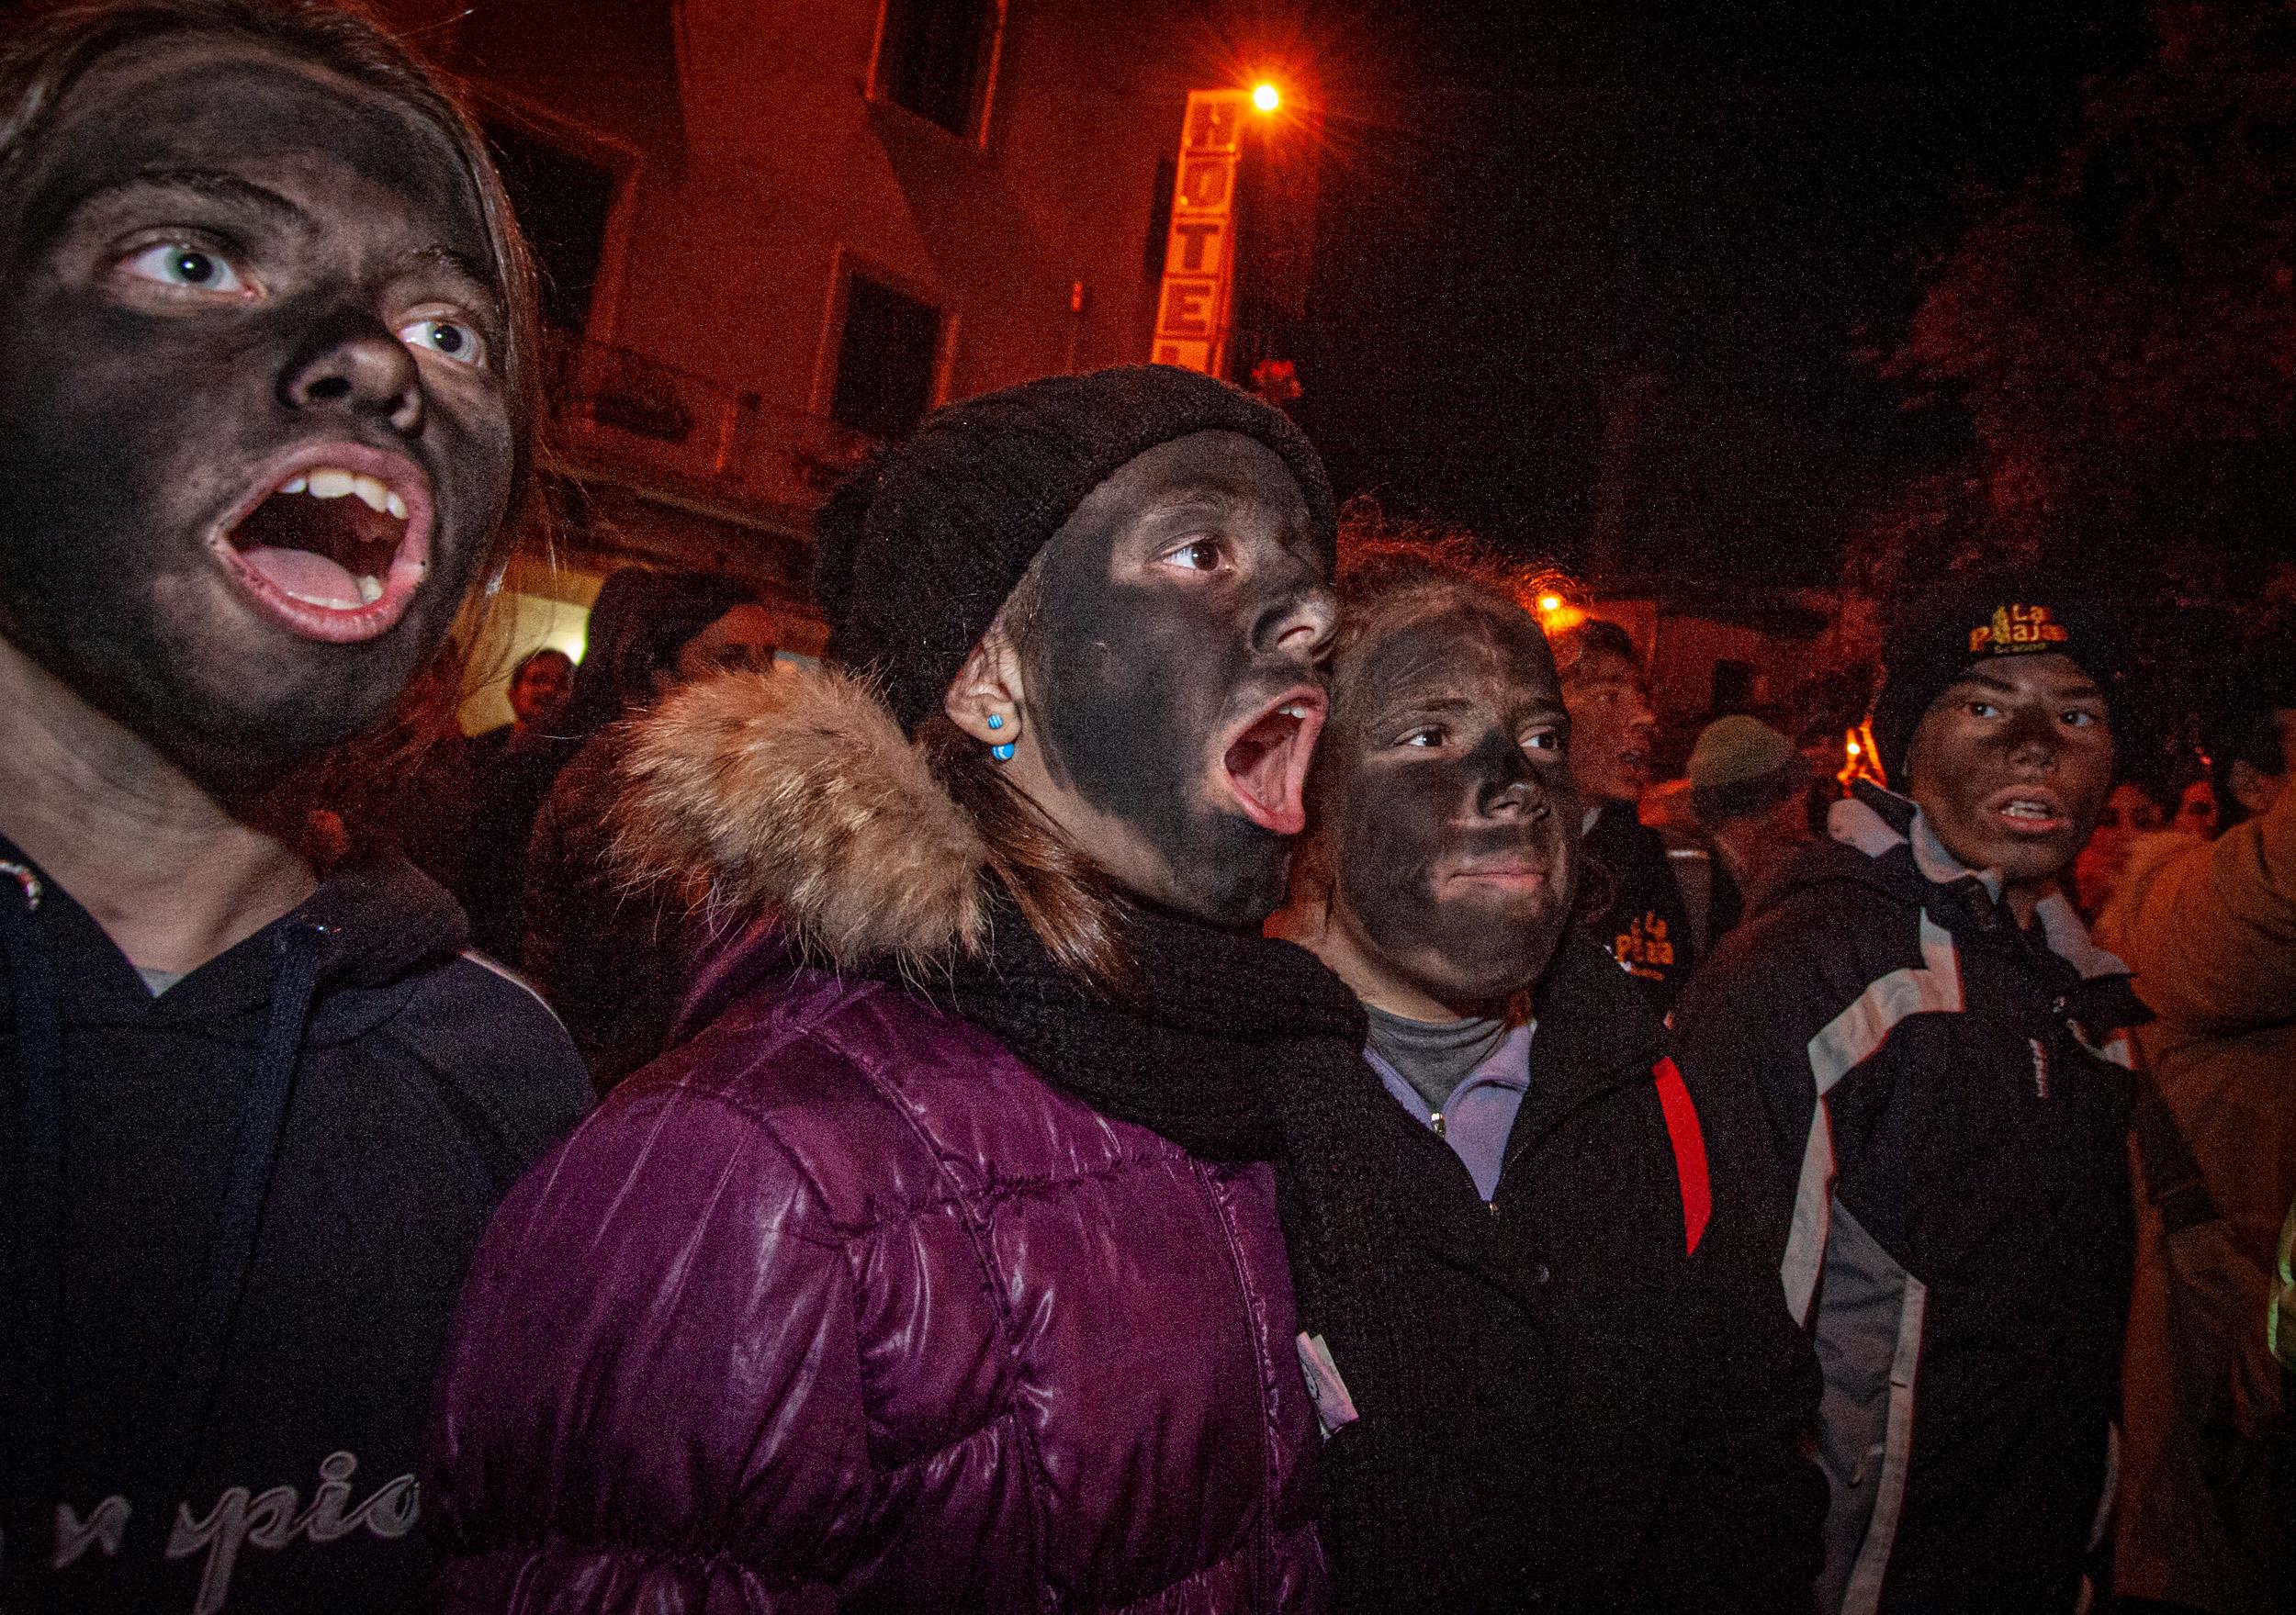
[[370, 590], [1293, 711], [2026, 809], [327, 482]]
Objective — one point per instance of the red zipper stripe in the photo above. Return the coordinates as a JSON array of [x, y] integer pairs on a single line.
[[1690, 1151]]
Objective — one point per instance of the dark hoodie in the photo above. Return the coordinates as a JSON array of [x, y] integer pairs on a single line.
[[241, 1212]]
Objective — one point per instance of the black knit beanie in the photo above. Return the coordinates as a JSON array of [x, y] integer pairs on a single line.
[[1941, 635], [917, 553]]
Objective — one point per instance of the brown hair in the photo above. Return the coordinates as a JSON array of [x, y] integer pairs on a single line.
[[40, 64], [1596, 637], [1067, 900]]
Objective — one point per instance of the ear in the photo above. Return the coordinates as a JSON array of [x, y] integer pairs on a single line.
[[989, 686]]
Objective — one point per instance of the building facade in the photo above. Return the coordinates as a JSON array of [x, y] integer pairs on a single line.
[[775, 232]]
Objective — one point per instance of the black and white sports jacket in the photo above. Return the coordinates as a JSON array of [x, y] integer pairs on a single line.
[[1947, 1097]]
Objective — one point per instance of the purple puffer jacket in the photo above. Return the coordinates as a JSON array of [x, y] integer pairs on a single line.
[[840, 1305]]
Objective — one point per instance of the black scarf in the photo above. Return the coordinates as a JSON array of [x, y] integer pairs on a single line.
[[1217, 1024], [1238, 1048]]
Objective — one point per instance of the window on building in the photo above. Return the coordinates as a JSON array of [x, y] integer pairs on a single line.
[[884, 360], [562, 202], [1160, 217], [934, 58]]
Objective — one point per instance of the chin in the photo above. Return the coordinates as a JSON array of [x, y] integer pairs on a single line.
[[238, 742], [1231, 893], [2034, 866]]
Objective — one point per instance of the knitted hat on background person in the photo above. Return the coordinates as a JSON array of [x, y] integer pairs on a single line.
[[1941, 635], [1743, 767], [918, 550]]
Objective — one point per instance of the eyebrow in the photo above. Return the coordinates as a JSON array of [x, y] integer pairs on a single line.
[[2080, 692], [1433, 706], [1209, 496], [205, 181], [1444, 705], [462, 265]]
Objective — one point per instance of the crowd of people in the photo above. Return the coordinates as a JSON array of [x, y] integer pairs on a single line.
[[1184, 1067]]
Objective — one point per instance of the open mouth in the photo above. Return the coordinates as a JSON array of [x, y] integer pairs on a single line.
[[334, 542], [1266, 765], [2029, 813]]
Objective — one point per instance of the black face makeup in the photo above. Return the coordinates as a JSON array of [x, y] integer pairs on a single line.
[[254, 431], [1171, 666], [2013, 764], [1445, 804]]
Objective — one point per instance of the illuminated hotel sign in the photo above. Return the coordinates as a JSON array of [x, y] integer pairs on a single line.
[[1199, 254]]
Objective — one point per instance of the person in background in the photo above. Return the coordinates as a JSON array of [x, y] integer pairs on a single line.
[[2211, 931], [2196, 809], [540, 686], [1750, 790], [1562, 1373], [938, 1266], [509, 770], [267, 363], [1645, 922], [2131, 814], [616, 963], [1937, 1044]]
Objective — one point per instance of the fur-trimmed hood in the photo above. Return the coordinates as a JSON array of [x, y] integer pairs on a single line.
[[794, 793]]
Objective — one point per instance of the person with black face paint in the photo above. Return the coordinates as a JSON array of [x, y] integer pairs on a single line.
[[938, 1266], [265, 365], [1560, 1374], [1939, 1052]]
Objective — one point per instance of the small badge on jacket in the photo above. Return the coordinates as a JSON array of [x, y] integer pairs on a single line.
[[1334, 1406]]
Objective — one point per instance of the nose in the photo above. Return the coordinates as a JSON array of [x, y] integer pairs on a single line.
[[350, 364], [2033, 740], [1299, 626], [1509, 791]]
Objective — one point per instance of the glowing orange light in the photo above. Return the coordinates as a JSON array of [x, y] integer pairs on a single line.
[[1858, 761], [1266, 98], [1551, 603]]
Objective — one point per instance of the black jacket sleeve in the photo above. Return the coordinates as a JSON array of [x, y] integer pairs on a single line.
[[1741, 1526]]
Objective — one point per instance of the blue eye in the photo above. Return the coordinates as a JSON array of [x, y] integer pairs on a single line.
[[1431, 735], [2080, 719], [1984, 709], [449, 338], [173, 263]]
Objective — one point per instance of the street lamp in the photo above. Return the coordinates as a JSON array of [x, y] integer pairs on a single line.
[[1267, 97]]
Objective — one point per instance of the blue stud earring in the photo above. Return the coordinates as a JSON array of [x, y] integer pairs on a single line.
[[996, 720], [1003, 754]]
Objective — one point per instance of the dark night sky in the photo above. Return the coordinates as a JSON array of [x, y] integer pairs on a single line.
[[1527, 206]]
